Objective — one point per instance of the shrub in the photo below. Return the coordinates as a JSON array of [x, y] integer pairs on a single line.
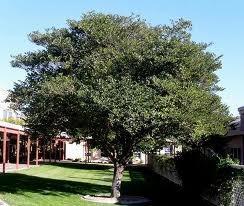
[[196, 170], [211, 175], [164, 161], [206, 175]]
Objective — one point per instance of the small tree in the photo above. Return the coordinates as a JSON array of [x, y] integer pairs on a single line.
[[121, 81]]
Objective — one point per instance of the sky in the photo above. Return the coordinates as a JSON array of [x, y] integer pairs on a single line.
[[216, 21]]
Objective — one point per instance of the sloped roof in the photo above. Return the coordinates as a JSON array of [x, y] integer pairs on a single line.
[[234, 128]]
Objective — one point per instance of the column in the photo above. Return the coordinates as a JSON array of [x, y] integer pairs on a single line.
[[44, 150], [8, 149], [28, 151], [55, 151], [59, 149], [84, 150], [4, 149], [242, 151], [37, 151], [85, 145], [88, 152], [63, 149], [50, 150], [17, 152]]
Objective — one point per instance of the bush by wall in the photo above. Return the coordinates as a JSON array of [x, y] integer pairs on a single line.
[[204, 175], [196, 170]]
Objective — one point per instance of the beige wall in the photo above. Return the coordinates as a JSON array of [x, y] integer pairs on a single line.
[[75, 150]]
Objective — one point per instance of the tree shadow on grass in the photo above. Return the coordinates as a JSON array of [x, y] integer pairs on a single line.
[[20, 183], [135, 186]]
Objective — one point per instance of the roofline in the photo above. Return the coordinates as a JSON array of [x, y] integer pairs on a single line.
[[12, 126]]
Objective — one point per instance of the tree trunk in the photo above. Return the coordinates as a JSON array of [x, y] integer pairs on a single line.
[[117, 178]]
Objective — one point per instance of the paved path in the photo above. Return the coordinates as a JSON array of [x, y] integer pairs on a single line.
[[3, 203], [10, 167]]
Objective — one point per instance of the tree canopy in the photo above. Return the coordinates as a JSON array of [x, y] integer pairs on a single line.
[[122, 81]]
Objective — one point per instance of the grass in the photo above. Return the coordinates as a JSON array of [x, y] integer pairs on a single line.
[[63, 184], [56, 184]]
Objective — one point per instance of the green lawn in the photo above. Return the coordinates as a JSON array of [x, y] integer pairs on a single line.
[[63, 184], [59, 184]]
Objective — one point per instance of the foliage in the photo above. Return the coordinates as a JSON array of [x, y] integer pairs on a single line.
[[164, 161], [216, 143], [202, 175], [123, 82], [229, 184], [206, 169], [14, 121], [196, 170], [209, 175], [227, 162]]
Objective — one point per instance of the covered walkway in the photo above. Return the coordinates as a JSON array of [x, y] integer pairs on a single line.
[[15, 147], [18, 149]]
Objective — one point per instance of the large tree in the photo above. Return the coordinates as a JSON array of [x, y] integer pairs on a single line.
[[121, 81]]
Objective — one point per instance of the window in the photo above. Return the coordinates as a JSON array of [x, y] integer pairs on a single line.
[[137, 154], [235, 153], [10, 114], [5, 114]]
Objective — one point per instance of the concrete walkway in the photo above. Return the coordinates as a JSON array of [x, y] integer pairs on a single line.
[[10, 167], [3, 203]]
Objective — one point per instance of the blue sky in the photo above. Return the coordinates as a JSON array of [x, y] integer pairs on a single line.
[[217, 21]]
